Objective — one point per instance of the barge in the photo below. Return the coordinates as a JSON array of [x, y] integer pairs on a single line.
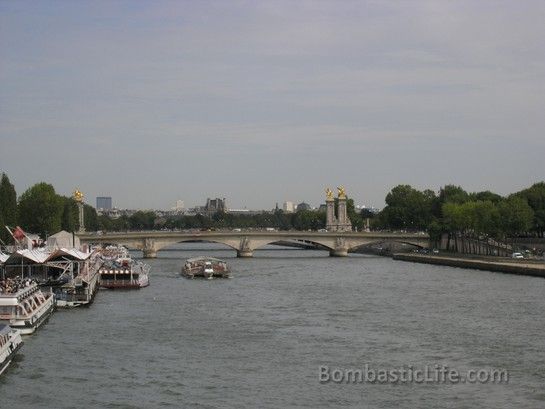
[[205, 267]]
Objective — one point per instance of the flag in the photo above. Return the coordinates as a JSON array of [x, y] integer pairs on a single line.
[[18, 234]]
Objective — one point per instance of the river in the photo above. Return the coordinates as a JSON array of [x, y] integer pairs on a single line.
[[259, 339]]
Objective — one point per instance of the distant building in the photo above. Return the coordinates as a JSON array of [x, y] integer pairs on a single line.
[[104, 203], [179, 207], [215, 205], [303, 206], [288, 207]]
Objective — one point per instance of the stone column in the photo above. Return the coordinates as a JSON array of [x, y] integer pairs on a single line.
[[331, 220], [245, 251], [149, 248], [341, 249], [81, 218], [344, 223]]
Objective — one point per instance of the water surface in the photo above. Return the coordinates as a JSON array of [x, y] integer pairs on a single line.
[[258, 339]]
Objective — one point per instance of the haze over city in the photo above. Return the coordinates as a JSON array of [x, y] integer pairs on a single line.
[[262, 102]]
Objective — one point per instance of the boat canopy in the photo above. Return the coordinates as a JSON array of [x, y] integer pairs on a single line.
[[69, 253], [203, 258], [40, 256]]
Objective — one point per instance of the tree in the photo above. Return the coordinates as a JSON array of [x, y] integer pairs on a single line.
[[408, 208], [535, 197], [516, 216], [40, 210], [69, 221], [142, 220], [90, 218], [8, 207], [486, 195]]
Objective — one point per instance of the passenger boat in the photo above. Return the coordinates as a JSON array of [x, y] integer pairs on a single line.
[[75, 282], [10, 342], [206, 267], [122, 272], [26, 307]]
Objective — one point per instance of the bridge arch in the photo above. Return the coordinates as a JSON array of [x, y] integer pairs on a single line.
[[338, 243]]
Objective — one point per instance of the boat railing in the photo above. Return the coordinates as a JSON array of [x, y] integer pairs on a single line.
[[115, 281]]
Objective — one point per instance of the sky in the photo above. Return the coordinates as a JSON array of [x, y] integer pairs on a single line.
[[267, 101]]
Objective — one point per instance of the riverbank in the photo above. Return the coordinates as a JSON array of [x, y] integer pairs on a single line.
[[500, 265]]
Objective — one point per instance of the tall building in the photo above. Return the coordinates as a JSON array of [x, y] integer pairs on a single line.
[[104, 203], [288, 207], [215, 205], [179, 205]]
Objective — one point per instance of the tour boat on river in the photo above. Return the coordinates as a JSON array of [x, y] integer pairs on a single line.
[[10, 342], [120, 271], [24, 306], [206, 267]]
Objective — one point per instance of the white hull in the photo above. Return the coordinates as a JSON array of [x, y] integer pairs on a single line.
[[9, 349], [29, 325]]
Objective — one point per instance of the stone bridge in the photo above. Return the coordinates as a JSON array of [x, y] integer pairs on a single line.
[[338, 243]]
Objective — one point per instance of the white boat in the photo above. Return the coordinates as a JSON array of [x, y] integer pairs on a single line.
[[77, 284], [120, 271], [10, 342], [26, 308], [206, 267]]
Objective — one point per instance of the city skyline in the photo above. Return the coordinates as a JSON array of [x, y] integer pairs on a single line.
[[261, 103]]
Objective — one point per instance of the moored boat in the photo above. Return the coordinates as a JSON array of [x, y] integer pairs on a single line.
[[10, 343], [76, 281], [120, 271], [205, 267], [24, 306]]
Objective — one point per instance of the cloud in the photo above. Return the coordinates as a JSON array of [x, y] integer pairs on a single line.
[[266, 90]]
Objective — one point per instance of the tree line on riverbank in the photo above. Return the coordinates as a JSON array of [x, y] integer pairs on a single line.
[[458, 213], [451, 211]]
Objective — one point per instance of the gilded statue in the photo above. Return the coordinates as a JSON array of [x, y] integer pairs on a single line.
[[78, 196], [329, 194], [342, 192]]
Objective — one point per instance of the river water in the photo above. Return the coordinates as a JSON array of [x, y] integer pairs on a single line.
[[258, 340]]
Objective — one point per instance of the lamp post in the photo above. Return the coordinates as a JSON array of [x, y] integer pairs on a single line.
[[78, 197]]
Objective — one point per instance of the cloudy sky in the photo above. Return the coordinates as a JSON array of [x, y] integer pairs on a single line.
[[266, 101]]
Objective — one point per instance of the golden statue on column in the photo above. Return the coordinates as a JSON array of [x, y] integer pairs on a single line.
[[78, 196], [342, 192]]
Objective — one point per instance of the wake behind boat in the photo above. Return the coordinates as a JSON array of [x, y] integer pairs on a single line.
[[205, 267]]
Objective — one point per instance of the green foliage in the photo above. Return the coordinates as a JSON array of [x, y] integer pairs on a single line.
[[69, 221], [309, 220], [142, 221], [41, 210], [408, 208], [486, 195], [90, 218], [535, 197], [8, 207], [481, 214], [516, 216]]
